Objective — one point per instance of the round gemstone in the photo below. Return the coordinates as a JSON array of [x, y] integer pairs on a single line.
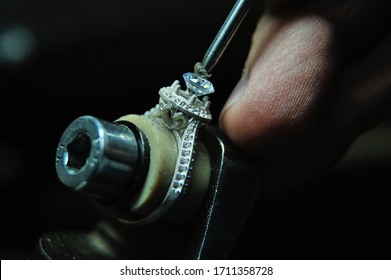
[[197, 85]]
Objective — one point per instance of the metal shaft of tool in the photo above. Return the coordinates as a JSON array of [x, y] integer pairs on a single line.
[[225, 34]]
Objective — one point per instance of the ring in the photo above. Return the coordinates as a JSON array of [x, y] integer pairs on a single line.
[[183, 112]]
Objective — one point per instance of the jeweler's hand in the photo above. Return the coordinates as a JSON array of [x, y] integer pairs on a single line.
[[318, 74]]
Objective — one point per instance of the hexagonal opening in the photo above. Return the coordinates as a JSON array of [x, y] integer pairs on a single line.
[[78, 150]]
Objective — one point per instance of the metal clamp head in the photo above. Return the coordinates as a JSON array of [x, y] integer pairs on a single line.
[[97, 157]]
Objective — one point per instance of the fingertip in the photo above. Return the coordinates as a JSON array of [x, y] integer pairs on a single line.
[[278, 98]]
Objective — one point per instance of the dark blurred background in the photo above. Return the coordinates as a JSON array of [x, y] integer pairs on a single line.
[[63, 59]]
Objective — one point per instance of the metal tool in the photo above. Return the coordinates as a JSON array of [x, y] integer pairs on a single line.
[[223, 38], [101, 158], [177, 181]]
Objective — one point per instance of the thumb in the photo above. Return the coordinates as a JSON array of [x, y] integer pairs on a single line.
[[279, 95]]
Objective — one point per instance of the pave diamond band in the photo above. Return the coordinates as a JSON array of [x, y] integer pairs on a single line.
[[183, 112]]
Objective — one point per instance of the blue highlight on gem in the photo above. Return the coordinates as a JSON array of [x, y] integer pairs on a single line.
[[197, 85]]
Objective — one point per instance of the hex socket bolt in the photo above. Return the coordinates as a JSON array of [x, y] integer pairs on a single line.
[[98, 157]]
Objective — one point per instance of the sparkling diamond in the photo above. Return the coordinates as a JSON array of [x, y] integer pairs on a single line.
[[182, 168], [185, 160], [197, 85]]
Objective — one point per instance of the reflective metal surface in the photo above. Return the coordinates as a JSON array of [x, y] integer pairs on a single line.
[[97, 157], [224, 36]]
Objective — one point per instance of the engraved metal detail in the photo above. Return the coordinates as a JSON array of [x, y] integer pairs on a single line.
[[185, 159], [183, 112], [174, 98]]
